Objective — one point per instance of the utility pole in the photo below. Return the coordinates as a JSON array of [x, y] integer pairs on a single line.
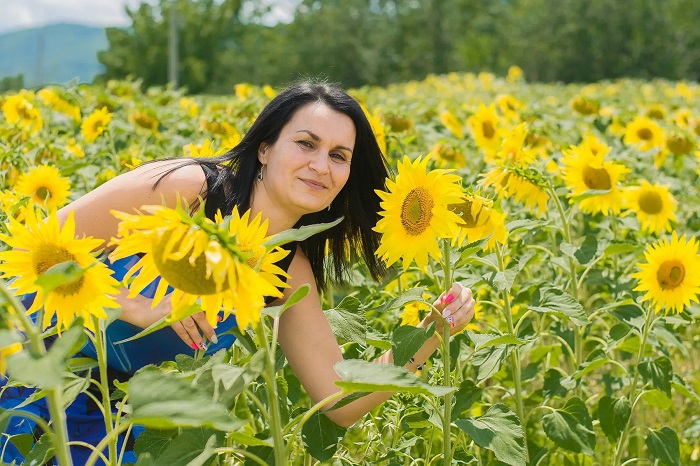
[[173, 59]]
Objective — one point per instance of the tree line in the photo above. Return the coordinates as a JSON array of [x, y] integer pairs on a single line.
[[360, 42]]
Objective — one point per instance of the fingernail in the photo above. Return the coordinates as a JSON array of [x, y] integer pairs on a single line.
[[446, 313], [220, 319], [452, 325], [213, 339], [193, 346], [442, 298], [203, 346], [450, 298]]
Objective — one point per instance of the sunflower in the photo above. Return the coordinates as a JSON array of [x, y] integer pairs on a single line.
[[679, 144], [644, 133], [59, 104], [45, 185], [73, 148], [377, 128], [452, 124], [510, 106], [484, 126], [19, 110], [445, 155], [416, 213], [40, 244], [654, 205], [515, 74], [584, 106], [95, 124], [522, 185], [513, 150], [205, 149], [480, 220], [584, 172], [596, 146], [671, 275], [198, 258], [189, 105], [144, 120]]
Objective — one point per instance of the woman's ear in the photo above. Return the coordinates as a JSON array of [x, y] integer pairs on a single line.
[[262, 152]]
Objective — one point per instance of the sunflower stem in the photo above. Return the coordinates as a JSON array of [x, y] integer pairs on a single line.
[[447, 379], [104, 386], [54, 395], [648, 324], [515, 354], [272, 396], [578, 332]]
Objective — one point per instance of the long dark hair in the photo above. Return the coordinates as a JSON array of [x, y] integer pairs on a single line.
[[357, 201]]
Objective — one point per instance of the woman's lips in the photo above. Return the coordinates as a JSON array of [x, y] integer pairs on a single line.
[[313, 184]]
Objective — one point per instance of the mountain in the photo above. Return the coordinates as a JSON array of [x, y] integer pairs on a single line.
[[56, 53]]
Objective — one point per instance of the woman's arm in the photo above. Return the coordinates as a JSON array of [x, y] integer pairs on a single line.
[[312, 349]]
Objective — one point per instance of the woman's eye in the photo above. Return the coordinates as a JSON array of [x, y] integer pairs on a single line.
[[338, 156], [305, 143]]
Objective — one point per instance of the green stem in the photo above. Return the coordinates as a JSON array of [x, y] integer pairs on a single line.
[[447, 378], [648, 324], [104, 386], [272, 397], [515, 353], [53, 397], [578, 337]]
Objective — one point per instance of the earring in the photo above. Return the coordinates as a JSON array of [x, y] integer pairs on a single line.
[[260, 174], [329, 207]]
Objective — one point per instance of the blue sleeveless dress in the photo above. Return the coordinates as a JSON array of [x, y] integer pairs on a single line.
[[84, 418]]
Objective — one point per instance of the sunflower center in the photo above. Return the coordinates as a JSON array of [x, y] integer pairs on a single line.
[[417, 211], [645, 134], [43, 193], [24, 111], [596, 178], [670, 274], [488, 129], [188, 277], [48, 255], [650, 202]]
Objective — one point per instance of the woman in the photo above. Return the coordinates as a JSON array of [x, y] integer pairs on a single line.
[[310, 157]]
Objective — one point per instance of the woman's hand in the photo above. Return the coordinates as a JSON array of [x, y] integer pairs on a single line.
[[137, 311], [456, 306]]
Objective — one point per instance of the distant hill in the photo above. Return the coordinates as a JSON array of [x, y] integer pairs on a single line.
[[56, 53]]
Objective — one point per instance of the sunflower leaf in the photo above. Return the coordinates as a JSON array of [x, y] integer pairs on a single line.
[[613, 414], [321, 436], [556, 301], [59, 275], [407, 340], [659, 372], [409, 296], [571, 427], [299, 294], [363, 376], [300, 234], [348, 321], [159, 324], [664, 446]]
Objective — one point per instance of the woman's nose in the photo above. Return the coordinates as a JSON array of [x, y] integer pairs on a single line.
[[319, 163]]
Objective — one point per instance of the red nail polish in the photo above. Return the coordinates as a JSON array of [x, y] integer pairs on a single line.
[[450, 298], [452, 325], [220, 318]]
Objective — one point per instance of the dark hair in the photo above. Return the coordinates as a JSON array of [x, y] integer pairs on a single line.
[[357, 201]]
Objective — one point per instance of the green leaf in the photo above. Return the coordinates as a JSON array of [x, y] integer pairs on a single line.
[[409, 296], [613, 414], [595, 360], [299, 294], [630, 314], [556, 301], [500, 431], [488, 360], [681, 387], [659, 372], [59, 275], [555, 384], [43, 450], [348, 321], [246, 439], [588, 194], [619, 331], [525, 225], [163, 400], [162, 323], [657, 399], [9, 337], [615, 248], [663, 444], [300, 234], [153, 442], [501, 280], [321, 436], [571, 427], [47, 371], [407, 340], [583, 254], [465, 397], [484, 340], [363, 376], [193, 447], [22, 442]]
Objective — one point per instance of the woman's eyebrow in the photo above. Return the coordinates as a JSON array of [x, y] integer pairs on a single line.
[[317, 138]]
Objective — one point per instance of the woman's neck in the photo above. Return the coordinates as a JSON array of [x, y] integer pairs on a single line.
[[279, 219]]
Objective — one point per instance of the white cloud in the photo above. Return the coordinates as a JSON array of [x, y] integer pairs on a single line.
[[21, 14]]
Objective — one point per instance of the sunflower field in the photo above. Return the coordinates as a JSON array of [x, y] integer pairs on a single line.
[[571, 211]]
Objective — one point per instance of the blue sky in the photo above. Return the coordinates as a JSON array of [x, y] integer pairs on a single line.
[[23, 14]]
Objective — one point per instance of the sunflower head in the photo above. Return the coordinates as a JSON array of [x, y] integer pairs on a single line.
[[206, 263], [45, 186], [671, 275], [95, 124], [584, 106], [416, 214], [452, 124], [654, 205], [20, 110], [39, 244], [479, 220], [644, 133]]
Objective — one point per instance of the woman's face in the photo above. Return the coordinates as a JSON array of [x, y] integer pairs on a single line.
[[309, 163]]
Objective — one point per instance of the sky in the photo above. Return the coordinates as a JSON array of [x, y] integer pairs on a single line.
[[23, 14]]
